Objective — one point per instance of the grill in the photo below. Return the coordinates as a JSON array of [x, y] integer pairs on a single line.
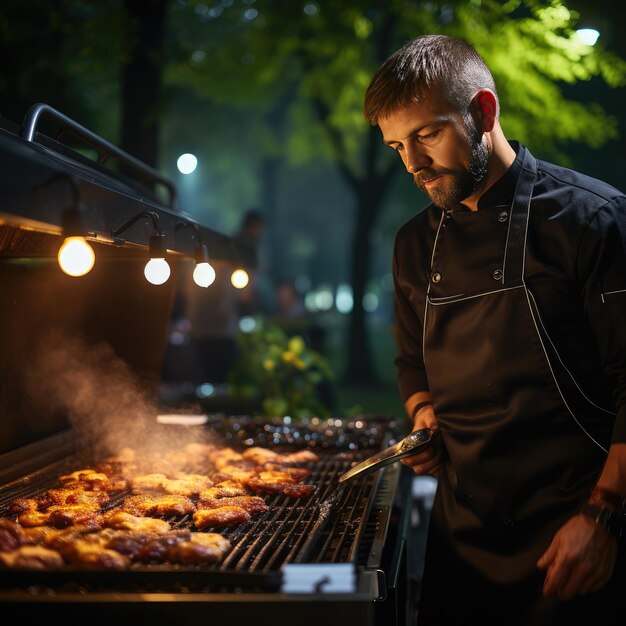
[[337, 557]]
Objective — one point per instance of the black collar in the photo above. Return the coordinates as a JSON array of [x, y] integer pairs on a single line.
[[502, 191]]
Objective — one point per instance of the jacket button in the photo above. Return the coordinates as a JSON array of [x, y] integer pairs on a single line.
[[436, 277], [497, 274], [503, 216]]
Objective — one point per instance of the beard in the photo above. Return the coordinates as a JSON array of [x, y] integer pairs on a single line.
[[458, 184]]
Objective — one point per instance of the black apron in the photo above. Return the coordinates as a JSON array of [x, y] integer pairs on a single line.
[[524, 444]]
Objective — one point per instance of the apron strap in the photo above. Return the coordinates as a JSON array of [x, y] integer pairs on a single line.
[[514, 254]]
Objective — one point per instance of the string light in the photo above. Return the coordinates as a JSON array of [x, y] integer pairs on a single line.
[[157, 269], [239, 279]]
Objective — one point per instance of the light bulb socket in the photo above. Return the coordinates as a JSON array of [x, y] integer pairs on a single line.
[[157, 246], [71, 223], [202, 254]]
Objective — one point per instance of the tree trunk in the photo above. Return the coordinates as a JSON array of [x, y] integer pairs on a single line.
[[360, 368], [141, 79]]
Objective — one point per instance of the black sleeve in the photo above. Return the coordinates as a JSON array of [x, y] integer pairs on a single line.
[[602, 267], [408, 327]]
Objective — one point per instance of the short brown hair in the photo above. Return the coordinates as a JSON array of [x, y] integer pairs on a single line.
[[431, 65]]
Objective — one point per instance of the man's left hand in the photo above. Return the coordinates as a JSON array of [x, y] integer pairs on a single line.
[[579, 560]]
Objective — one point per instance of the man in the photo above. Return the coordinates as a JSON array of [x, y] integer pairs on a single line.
[[510, 295]]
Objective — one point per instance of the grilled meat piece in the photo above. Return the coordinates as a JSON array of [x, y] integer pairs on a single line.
[[32, 557], [157, 547], [182, 484], [222, 516], [88, 554], [301, 456], [200, 548], [225, 456], [11, 535], [66, 495], [290, 489], [41, 534], [61, 516], [120, 520], [226, 489], [253, 504], [22, 505], [262, 456], [156, 505], [148, 483], [88, 479], [272, 472]]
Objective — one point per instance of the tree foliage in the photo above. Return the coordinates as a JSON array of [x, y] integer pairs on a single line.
[[266, 85]]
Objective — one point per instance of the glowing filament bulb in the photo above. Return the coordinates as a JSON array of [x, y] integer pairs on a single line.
[[239, 279], [157, 271], [204, 274], [76, 257]]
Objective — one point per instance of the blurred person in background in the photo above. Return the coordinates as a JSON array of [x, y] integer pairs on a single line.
[[257, 297]]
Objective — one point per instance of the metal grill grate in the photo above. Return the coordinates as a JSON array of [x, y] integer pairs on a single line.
[[323, 528]]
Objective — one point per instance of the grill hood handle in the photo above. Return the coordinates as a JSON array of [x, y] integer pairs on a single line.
[[104, 148]]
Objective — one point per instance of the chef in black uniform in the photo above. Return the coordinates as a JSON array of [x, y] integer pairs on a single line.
[[510, 295]]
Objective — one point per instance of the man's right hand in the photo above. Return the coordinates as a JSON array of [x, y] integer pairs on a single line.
[[430, 458]]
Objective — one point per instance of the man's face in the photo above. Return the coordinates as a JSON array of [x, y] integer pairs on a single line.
[[446, 156]]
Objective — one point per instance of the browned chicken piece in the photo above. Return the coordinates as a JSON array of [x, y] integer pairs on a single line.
[[226, 489], [120, 520], [290, 489], [253, 504], [11, 535], [32, 557], [66, 495], [222, 516], [301, 456], [263, 456], [200, 548], [148, 483], [129, 543], [86, 477], [22, 505], [225, 456], [234, 472], [157, 505], [187, 484], [278, 476], [61, 516], [157, 548], [88, 554], [282, 472], [182, 484], [260, 455], [41, 534], [65, 536]]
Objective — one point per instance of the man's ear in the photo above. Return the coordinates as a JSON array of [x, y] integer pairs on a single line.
[[484, 108]]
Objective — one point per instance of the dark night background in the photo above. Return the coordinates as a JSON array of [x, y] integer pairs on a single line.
[[257, 91]]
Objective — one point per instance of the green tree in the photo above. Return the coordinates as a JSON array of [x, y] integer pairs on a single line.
[[298, 72], [274, 83]]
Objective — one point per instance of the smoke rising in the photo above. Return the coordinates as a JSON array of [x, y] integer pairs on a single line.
[[108, 406]]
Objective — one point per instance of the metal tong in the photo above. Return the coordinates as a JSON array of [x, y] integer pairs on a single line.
[[405, 447]]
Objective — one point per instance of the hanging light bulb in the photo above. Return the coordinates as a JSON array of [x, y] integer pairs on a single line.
[[76, 257], [203, 274], [157, 269], [239, 278]]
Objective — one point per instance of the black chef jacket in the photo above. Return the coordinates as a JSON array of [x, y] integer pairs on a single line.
[[575, 270]]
